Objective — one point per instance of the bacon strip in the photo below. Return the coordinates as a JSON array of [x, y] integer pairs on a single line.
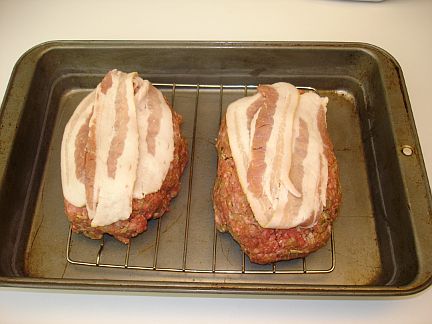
[[73, 152], [156, 144], [262, 129], [279, 158], [121, 122], [116, 154]]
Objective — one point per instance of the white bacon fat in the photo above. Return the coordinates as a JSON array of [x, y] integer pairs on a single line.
[[277, 142], [118, 145]]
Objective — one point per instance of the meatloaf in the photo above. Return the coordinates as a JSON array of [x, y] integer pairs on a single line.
[[233, 212], [151, 206], [79, 173]]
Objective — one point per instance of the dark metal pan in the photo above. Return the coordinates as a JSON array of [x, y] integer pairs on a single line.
[[381, 243]]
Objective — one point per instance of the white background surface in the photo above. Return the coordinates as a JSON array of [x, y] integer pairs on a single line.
[[402, 27]]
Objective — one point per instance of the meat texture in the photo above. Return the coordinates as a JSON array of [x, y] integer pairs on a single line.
[[310, 150], [122, 158]]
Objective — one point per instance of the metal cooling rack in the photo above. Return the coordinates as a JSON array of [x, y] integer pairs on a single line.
[[184, 268]]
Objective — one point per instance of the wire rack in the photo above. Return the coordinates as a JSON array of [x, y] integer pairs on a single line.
[[243, 268]]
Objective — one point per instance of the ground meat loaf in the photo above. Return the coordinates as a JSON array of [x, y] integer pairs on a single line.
[[151, 206], [262, 245]]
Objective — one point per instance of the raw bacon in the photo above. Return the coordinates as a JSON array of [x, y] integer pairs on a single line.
[[278, 149], [117, 146]]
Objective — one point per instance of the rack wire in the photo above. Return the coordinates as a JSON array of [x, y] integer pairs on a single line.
[[213, 269]]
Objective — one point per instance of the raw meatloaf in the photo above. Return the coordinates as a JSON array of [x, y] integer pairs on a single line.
[[152, 205], [233, 212]]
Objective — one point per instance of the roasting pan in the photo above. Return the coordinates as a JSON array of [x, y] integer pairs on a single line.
[[381, 242]]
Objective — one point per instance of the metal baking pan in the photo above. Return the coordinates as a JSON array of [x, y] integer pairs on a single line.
[[381, 242]]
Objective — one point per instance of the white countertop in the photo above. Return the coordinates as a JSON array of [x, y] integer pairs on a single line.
[[402, 27]]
